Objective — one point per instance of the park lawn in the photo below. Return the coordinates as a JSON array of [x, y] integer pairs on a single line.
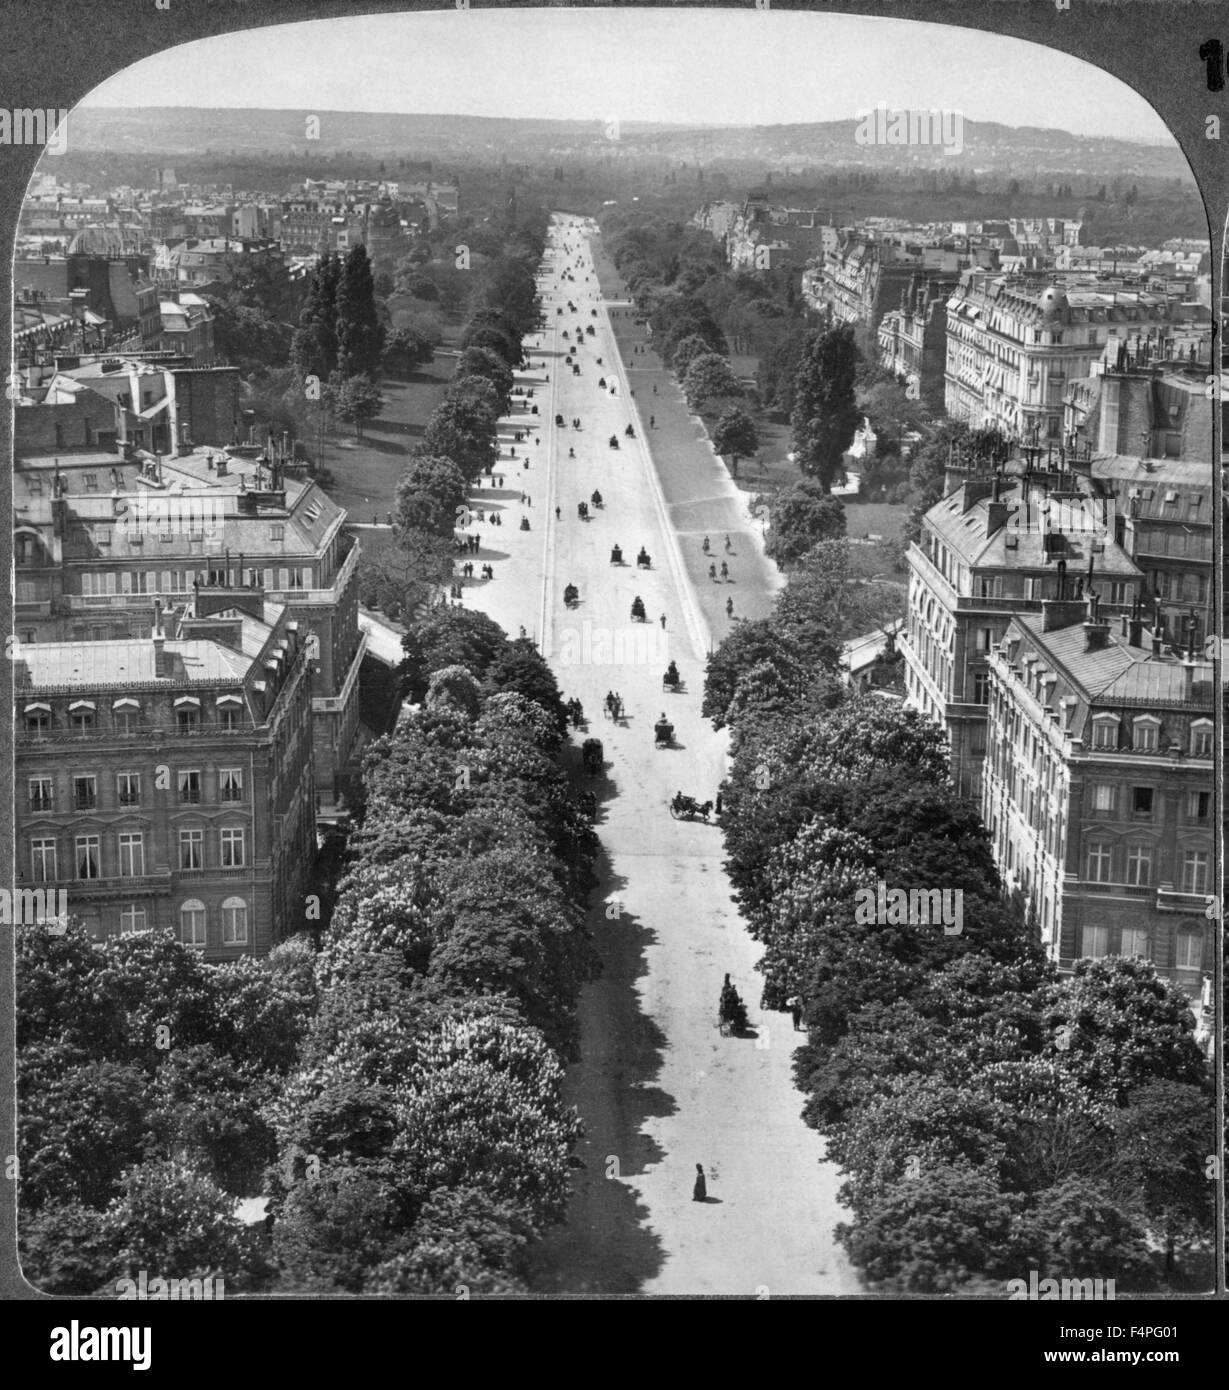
[[879, 518], [366, 472]]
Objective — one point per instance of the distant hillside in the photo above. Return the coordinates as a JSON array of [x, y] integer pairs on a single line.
[[452, 139]]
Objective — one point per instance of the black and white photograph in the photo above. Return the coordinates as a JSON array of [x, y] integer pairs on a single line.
[[616, 669]]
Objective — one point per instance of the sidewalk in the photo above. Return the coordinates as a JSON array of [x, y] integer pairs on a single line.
[[701, 497]]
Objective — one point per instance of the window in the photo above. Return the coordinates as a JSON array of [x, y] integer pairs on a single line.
[[85, 792], [233, 850], [1188, 949], [192, 923], [1199, 807], [1141, 803], [1139, 866], [230, 716], [1195, 871], [1100, 856], [191, 849], [1145, 736], [128, 788], [38, 721], [81, 720], [1102, 796], [187, 717], [131, 854], [1105, 735], [189, 787], [1094, 941], [87, 856], [230, 783], [981, 688], [1201, 739], [43, 861], [131, 919], [1134, 942], [983, 639], [277, 531], [234, 922], [42, 793]]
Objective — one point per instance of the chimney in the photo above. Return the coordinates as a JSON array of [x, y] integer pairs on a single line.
[[162, 663], [1061, 612]]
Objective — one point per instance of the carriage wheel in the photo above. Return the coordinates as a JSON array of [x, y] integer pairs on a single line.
[[673, 812]]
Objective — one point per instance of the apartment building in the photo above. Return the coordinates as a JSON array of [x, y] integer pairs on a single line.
[[101, 533], [167, 781], [913, 342], [996, 546], [1097, 788], [1015, 342]]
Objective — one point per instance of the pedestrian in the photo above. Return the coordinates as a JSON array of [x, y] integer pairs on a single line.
[[663, 622], [718, 803], [729, 608], [699, 1191], [725, 570], [528, 500], [557, 513], [652, 422], [795, 1008], [526, 463], [375, 521], [712, 573], [524, 633], [655, 390]]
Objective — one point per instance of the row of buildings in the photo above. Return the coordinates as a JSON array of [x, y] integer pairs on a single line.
[[1059, 622], [187, 655], [1059, 630]]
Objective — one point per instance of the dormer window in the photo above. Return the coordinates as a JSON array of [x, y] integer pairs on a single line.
[[1146, 733], [1201, 738], [1105, 732]]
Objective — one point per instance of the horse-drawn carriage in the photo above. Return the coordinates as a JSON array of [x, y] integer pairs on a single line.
[[596, 499], [582, 510], [687, 807], [638, 613], [590, 330], [663, 734], [672, 680], [575, 369], [614, 441], [571, 595], [588, 804], [592, 755], [643, 561], [630, 432], [616, 555], [559, 421], [601, 381]]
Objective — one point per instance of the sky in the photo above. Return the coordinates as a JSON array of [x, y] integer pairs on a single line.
[[744, 67]]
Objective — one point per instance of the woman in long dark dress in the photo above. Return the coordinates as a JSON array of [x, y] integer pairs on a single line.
[[699, 1193]]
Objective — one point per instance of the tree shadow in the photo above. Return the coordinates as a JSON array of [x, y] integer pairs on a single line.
[[606, 1245]]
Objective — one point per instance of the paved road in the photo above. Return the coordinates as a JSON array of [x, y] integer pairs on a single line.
[[659, 1090]]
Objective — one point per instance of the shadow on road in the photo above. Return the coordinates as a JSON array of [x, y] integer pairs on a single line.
[[606, 1246]]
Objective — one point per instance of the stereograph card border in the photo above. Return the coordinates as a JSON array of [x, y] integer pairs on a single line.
[[56, 53]]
